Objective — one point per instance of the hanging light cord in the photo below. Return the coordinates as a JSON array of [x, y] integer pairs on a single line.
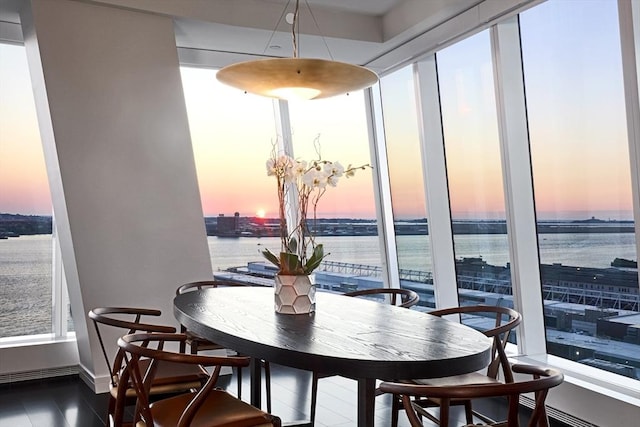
[[284, 11], [295, 29], [324, 40]]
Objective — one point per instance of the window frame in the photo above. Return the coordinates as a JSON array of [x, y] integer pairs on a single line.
[[59, 294]]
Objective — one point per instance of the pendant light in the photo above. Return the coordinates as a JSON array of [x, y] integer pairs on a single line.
[[296, 78]]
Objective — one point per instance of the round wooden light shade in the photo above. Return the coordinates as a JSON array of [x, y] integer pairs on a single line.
[[297, 78]]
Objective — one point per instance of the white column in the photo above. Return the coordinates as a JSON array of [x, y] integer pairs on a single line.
[[518, 185], [382, 187], [435, 178], [114, 127], [629, 16]]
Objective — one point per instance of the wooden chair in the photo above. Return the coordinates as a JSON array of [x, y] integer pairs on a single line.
[[401, 297], [170, 378], [197, 343], [396, 296], [504, 320], [543, 379], [209, 407]]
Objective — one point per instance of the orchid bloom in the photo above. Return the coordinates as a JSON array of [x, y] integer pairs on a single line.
[[311, 180]]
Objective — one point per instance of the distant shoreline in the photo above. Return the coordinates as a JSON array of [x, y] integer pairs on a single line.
[[15, 225]]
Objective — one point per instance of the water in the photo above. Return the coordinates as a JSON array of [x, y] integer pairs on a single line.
[[236, 252], [25, 285], [574, 249], [25, 263]]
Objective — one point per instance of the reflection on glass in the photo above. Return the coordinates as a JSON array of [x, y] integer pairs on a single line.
[[25, 206], [407, 183], [474, 171], [579, 149], [335, 129]]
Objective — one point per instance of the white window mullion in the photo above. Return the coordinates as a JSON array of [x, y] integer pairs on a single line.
[[285, 145], [435, 182], [629, 15], [58, 294], [518, 185], [382, 187]]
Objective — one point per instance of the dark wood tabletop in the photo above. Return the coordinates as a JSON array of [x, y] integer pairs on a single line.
[[352, 337]]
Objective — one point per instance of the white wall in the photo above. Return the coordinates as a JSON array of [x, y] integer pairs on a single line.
[[118, 152]]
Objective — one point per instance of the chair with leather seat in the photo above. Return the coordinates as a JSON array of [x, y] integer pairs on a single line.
[[197, 343], [208, 407], [502, 321], [400, 297], [542, 379], [170, 378]]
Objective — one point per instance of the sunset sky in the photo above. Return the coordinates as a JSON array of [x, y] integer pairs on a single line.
[[575, 104], [24, 186]]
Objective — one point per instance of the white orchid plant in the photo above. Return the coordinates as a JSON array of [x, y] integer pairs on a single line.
[[299, 253]]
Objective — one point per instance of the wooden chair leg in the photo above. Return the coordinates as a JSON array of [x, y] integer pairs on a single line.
[[116, 410], [267, 384], [444, 413], [314, 397], [267, 379], [395, 409], [468, 412], [111, 411], [239, 373]]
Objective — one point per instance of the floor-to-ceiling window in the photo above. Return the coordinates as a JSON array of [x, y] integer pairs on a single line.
[[232, 133], [335, 129], [474, 172], [406, 183], [27, 305], [575, 99]]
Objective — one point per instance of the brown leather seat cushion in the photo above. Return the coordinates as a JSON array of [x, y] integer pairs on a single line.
[[220, 410]]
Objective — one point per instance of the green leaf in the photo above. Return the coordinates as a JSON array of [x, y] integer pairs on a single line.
[[289, 263], [292, 245], [271, 257], [315, 260]]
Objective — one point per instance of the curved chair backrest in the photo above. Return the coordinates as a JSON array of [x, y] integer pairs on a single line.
[[542, 380], [397, 296], [204, 284], [141, 346], [195, 341], [172, 378], [128, 319], [505, 320]]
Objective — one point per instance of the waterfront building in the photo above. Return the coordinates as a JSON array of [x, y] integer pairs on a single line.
[[228, 226]]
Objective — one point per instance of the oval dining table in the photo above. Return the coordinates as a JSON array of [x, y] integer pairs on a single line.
[[352, 337]]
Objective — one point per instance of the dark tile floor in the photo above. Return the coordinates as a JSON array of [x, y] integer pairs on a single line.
[[68, 402], [64, 401]]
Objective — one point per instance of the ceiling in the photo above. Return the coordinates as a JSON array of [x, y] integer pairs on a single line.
[[364, 32], [355, 31]]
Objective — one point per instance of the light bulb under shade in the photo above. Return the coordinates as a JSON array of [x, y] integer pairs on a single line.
[[297, 78]]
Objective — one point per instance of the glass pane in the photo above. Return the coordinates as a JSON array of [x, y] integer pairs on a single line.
[[26, 245], [335, 129], [231, 134], [579, 148], [407, 184], [474, 172]]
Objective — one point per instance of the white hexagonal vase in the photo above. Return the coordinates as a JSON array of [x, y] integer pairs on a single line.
[[295, 294]]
